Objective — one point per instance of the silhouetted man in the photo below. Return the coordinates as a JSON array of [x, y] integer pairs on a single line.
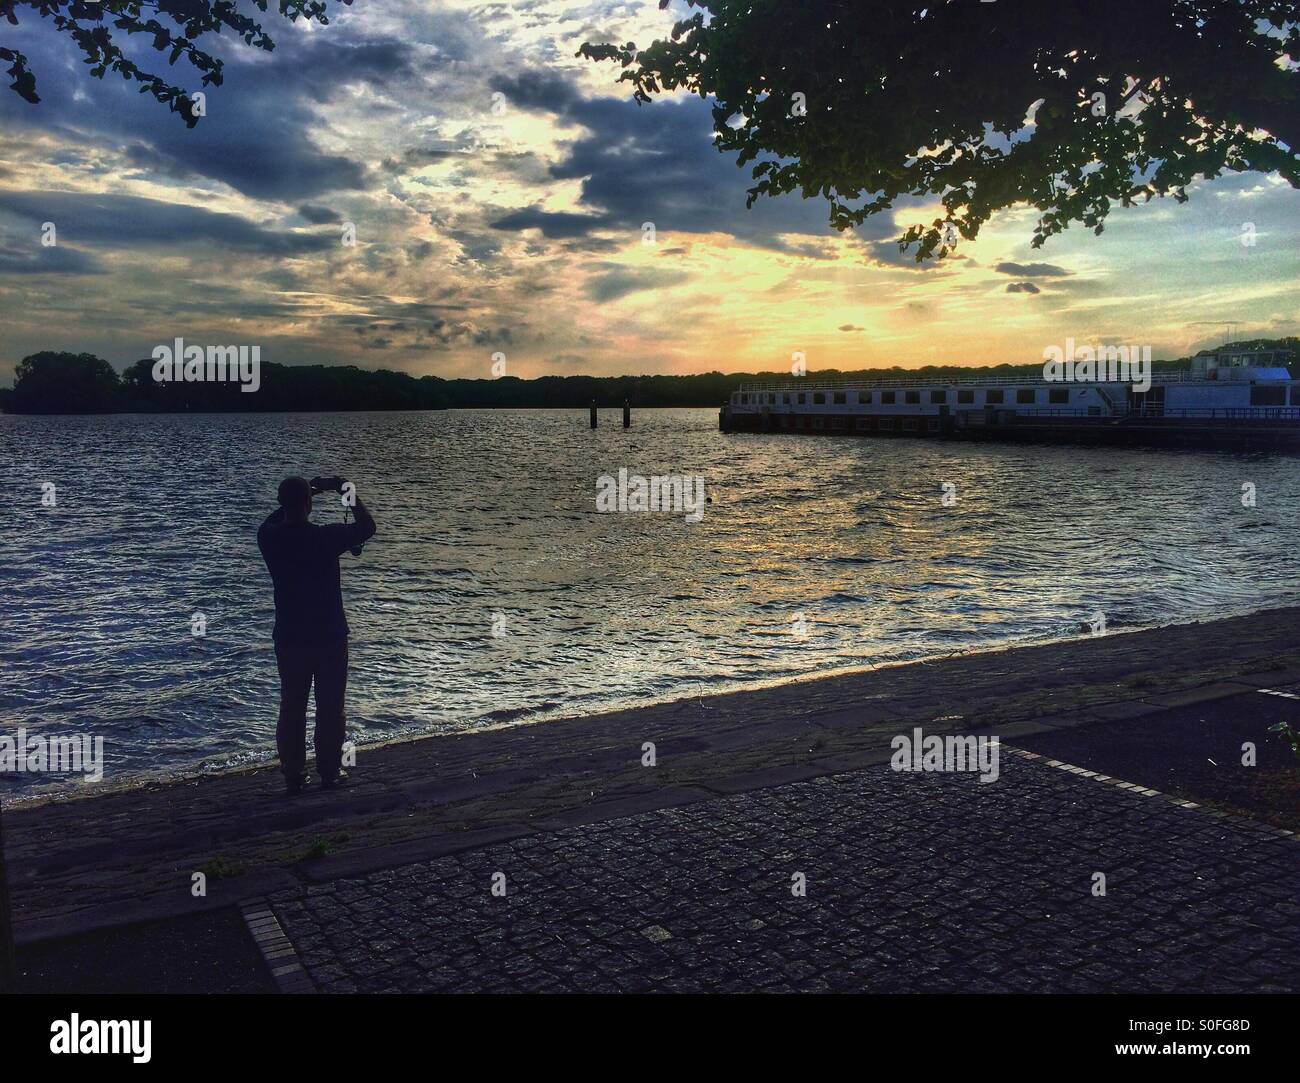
[[311, 633]]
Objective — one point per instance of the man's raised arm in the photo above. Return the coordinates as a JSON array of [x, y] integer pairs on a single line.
[[348, 535], [364, 521]]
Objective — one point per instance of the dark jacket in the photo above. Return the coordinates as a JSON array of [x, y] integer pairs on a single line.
[[303, 560]]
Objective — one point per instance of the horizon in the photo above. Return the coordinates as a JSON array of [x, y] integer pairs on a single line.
[[121, 367]]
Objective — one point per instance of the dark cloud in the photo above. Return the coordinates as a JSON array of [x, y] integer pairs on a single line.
[[888, 253], [1031, 270], [416, 157], [411, 325], [542, 91], [658, 164], [257, 135], [382, 308], [556, 225], [475, 247], [133, 222], [494, 336], [143, 156], [39, 260], [804, 249], [319, 214], [621, 281], [1022, 287], [597, 35]]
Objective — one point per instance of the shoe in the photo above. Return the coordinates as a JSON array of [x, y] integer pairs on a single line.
[[295, 784], [339, 777]]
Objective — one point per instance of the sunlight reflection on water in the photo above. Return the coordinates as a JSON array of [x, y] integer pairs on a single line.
[[486, 513]]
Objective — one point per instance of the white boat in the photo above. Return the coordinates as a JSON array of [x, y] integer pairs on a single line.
[[1232, 396]]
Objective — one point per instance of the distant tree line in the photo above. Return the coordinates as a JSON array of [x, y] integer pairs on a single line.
[[68, 383]]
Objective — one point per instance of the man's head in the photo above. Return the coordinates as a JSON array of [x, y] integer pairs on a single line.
[[295, 497]]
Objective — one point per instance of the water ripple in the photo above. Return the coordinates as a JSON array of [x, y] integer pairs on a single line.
[[816, 553]]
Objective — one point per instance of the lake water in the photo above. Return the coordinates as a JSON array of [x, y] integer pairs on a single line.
[[814, 554]]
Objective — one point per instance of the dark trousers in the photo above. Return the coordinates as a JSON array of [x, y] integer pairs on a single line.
[[299, 667]]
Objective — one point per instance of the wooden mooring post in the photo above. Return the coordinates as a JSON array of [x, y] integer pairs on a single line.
[[593, 413], [627, 414]]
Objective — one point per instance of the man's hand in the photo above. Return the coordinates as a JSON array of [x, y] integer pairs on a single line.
[[328, 485]]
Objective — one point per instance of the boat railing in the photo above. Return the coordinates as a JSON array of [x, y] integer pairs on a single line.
[[1146, 412], [1242, 413], [849, 383]]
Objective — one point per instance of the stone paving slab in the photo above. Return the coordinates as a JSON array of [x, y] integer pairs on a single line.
[[915, 882]]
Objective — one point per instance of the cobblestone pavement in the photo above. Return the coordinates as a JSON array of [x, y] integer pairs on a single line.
[[915, 882]]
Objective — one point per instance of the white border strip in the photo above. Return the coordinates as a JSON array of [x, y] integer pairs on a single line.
[[1083, 772], [277, 951]]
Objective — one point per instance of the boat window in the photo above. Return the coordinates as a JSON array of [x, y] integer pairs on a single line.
[[864, 397], [785, 399], [839, 398], [993, 395], [887, 397], [938, 396], [1058, 395], [1268, 396], [819, 397], [744, 399], [912, 396], [1025, 394], [802, 398], [771, 397], [966, 395]]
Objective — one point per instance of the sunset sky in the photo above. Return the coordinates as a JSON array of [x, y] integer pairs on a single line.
[[522, 232]]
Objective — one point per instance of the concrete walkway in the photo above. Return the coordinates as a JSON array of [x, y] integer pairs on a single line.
[[131, 855], [914, 883], [613, 875]]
